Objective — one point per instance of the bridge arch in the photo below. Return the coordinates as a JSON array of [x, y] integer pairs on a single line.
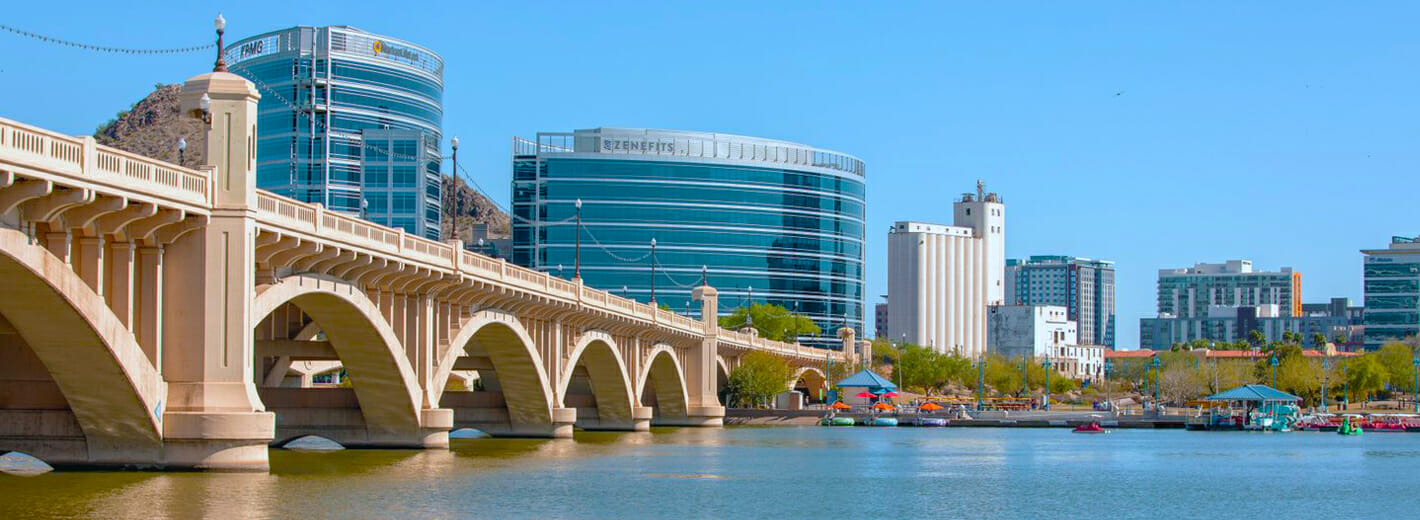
[[611, 385], [114, 392], [663, 381], [811, 380], [384, 383], [526, 395]]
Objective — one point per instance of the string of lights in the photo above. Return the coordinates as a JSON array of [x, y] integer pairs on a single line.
[[103, 48]]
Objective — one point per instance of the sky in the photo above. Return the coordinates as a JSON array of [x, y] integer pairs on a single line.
[[1155, 136]]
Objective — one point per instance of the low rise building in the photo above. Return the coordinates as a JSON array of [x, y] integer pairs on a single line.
[[1224, 323], [1042, 332]]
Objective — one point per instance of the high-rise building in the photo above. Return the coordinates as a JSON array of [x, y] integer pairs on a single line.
[[764, 220], [1191, 292], [1392, 290], [348, 119], [880, 321], [942, 278], [1083, 286]]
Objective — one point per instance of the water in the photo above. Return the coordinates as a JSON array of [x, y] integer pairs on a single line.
[[809, 472]]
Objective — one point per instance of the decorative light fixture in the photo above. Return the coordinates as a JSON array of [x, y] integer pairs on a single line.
[[221, 25]]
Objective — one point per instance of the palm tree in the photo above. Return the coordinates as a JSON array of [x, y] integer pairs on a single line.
[[1320, 340], [1256, 337]]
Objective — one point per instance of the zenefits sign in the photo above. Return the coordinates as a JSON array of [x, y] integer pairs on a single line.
[[396, 52], [636, 145]]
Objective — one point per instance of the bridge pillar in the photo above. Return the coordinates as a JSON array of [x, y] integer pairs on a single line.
[[704, 408], [641, 418], [214, 418]]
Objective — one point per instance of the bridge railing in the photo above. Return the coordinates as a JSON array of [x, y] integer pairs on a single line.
[[83, 159], [86, 162]]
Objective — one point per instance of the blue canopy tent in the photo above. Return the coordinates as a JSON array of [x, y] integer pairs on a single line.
[[866, 381], [1255, 394], [1266, 408]]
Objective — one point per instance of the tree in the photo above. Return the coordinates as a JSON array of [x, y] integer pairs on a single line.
[[1300, 376], [772, 322], [1256, 338], [1396, 359], [1319, 340], [758, 379], [1364, 376]]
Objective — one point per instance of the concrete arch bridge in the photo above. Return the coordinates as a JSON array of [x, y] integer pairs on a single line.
[[154, 315]]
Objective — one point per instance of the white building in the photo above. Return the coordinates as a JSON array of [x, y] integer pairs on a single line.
[[1030, 330], [1041, 332], [941, 279]]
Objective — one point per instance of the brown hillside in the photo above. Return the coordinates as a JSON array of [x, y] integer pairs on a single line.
[[152, 126]]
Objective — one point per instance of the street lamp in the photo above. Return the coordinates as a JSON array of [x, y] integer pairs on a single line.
[[221, 25], [1025, 376], [1345, 389], [1156, 379], [980, 381], [577, 272], [1417, 383], [182, 149], [1274, 364], [454, 188], [653, 272], [1047, 383], [1108, 392], [1325, 367]]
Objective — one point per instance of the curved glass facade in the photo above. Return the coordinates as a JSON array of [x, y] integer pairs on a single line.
[[349, 119], [778, 221]]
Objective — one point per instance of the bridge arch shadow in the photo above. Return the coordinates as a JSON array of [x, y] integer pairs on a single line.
[[662, 387], [596, 361], [381, 405], [515, 399], [77, 388]]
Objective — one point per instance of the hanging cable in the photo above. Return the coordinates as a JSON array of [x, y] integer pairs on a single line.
[[673, 279], [611, 254], [102, 48]]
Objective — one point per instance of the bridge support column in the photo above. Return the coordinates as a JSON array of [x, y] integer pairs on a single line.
[[641, 418], [562, 421], [704, 408], [215, 420]]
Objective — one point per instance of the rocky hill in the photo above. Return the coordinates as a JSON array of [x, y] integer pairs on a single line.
[[153, 125]]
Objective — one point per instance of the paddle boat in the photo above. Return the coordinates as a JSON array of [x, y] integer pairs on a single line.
[[931, 421], [1090, 427], [838, 421], [1347, 428], [883, 421]]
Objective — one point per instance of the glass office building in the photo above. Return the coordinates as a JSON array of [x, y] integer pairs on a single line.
[[775, 221], [1392, 287], [1083, 286], [350, 120]]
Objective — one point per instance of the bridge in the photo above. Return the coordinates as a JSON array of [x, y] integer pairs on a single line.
[[158, 316]]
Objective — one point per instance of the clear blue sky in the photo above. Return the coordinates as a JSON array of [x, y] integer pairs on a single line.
[[1284, 133]]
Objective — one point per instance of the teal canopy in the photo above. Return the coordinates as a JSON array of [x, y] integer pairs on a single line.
[[1254, 393], [873, 382]]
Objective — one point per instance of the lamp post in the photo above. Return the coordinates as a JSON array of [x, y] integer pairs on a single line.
[[1274, 364], [182, 149], [1325, 367], [1416, 362], [980, 381], [1345, 389], [577, 270], [1046, 404], [1025, 376], [221, 25], [454, 189], [1108, 392], [653, 272], [1156, 379]]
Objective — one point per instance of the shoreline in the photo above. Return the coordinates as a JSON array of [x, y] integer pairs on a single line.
[[1038, 419]]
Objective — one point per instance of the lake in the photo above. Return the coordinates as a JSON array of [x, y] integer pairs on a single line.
[[782, 472]]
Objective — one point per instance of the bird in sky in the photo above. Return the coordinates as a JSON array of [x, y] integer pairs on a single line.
[[1120, 93]]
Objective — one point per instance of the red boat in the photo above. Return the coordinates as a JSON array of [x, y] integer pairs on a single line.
[[1093, 427]]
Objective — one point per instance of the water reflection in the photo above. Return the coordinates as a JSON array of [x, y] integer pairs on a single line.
[[767, 472]]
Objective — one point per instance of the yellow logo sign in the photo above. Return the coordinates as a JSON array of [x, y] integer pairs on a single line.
[[378, 46]]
